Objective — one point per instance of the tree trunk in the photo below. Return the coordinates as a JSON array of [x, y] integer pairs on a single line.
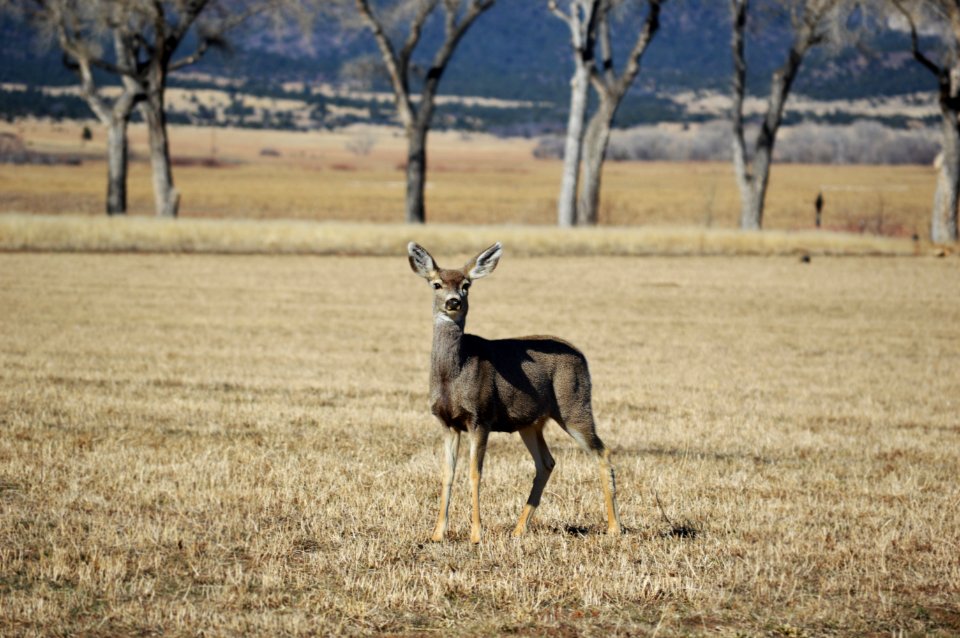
[[741, 171], [611, 89], [567, 204], [943, 224], [416, 172], [752, 181], [165, 196], [114, 119], [117, 166], [582, 21], [595, 143], [751, 208]]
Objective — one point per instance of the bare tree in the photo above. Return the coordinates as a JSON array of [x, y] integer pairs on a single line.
[[79, 28], [580, 18], [146, 36], [812, 21], [944, 17], [162, 27], [611, 88], [416, 112]]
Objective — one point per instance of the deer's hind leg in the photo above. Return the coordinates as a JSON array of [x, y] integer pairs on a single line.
[[533, 438], [584, 431]]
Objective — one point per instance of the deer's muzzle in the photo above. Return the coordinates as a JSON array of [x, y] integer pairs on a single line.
[[453, 304]]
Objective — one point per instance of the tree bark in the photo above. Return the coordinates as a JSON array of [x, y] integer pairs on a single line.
[[416, 173], [595, 143], [117, 166], [739, 88], [572, 150], [166, 198], [581, 21], [117, 149], [943, 223], [752, 181]]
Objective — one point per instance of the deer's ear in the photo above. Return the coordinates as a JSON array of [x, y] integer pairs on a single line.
[[420, 261], [484, 263]]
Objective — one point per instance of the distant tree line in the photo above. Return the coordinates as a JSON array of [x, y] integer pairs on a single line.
[[863, 142], [140, 43]]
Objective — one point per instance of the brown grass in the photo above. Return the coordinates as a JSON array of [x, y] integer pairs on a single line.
[[72, 233], [241, 445], [472, 180]]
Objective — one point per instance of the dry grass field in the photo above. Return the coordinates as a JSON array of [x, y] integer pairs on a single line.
[[473, 179], [236, 445]]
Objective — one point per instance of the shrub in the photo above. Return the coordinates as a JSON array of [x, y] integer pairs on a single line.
[[862, 142]]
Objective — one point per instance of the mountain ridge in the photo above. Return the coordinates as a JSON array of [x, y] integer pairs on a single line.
[[518, 51]]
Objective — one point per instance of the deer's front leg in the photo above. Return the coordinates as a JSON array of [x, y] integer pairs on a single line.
[[451, 445], [478, 448]]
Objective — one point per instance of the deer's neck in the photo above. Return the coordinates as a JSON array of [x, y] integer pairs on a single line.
[[446, 358]]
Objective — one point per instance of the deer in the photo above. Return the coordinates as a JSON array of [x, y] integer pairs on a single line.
[[479, 386]]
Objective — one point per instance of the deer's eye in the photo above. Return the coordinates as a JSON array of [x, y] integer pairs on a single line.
[[437, 285], [466, 286]]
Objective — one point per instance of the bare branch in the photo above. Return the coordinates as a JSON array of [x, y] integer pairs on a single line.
[[581, 21], [89, 91], [558, 12], [397, 73], [455, 31], [604, 79], [186, 17], [605, 72], [416, 27], [650, 27], [739, 11], [918, 55], [194, 57]]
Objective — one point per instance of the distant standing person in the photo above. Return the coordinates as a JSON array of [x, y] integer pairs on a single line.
[[819, 206]]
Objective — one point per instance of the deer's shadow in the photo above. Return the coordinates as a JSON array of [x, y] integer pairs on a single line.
[[685, 530]]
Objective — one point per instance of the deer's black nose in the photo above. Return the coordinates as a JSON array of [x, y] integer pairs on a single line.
[[453, 303]]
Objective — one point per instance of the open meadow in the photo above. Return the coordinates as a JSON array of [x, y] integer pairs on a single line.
[[237, 445], [472, 179]]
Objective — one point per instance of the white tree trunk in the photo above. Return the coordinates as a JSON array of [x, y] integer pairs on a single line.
[[166, 198], [567, 204], [594, 152], [611, 89], [114, 118], [581, 20], [943, 224]]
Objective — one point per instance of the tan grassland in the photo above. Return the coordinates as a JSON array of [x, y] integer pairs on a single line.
[[72, 233], [473, 179], [241, 445]]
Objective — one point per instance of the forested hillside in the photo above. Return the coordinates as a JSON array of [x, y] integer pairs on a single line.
[[517, 51]]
